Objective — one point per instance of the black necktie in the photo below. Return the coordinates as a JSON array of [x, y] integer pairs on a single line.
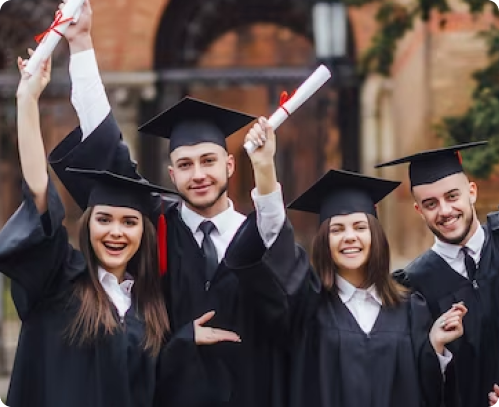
[[209, 250], [469, 263]]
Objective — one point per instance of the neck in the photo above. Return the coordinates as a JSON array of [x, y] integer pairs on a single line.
[[355, 277], [210, 212], [474, 227]]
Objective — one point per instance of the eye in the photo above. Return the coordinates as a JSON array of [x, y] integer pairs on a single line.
[[209, 160], [130, 222], [430, 205], [184, 165], [102, 219], [362, 226], [335, 230], [454, 196]]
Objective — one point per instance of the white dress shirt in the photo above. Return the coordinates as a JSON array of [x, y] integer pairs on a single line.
[[453, 255], [120, 294], [365, 305], [92, 107]]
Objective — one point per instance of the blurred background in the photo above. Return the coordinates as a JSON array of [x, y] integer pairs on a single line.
[[407, 75]]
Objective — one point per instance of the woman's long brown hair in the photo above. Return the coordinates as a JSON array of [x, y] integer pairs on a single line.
[[95, 315], [377, 267]]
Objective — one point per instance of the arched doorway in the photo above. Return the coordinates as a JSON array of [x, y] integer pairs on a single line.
[[241, 54]]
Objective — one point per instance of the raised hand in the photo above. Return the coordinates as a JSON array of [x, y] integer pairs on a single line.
[[204, 335], [262, 135], [78, 34], [33, 85]]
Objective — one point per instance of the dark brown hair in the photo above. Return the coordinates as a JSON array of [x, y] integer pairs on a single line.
[[377, 267], [95, 316]]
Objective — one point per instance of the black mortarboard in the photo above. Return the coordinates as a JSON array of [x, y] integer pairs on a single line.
[[342, 193], [117, 190], [192, 121], [430, 166]]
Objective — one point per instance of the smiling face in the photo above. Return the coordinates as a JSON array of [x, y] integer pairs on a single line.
[[350, 242], [447, 206], [115, 236], [201, 174]]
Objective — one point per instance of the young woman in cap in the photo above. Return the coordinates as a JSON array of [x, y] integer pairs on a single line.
[[93, 320], [355, 337]]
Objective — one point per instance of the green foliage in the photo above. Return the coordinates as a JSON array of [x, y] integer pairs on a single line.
[[481, 121]]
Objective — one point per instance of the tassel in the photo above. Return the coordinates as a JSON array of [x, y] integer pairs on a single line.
[[162, 241], [459, 157]]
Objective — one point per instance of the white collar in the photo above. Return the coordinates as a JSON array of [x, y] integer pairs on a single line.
[[126, 284], [451, 251], [222, 221], [346, 290]]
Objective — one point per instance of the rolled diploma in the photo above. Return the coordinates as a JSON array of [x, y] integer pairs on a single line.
[[311, 85], [71, 9]]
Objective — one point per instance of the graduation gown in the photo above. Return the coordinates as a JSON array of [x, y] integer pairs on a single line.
[[474, 369], [245, 374], [49, 371], [333, 363]]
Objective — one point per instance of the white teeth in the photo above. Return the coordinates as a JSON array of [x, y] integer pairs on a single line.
[[350, 251], [115, 246]]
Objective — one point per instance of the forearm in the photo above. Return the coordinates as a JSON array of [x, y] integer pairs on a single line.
[[31, 149], [265, 177], [88, 93]]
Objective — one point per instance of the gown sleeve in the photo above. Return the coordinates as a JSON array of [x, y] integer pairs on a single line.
[[189, 377], [34, 249], [280, 280], [430, 374], [103, 149]]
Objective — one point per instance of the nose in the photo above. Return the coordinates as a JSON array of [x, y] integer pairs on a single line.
[[116, 230], [349, 235], [198, 173], [445, 208]]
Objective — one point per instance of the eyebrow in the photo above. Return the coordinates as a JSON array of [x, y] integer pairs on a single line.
[[342, 224], [201, 156], [108, 214]]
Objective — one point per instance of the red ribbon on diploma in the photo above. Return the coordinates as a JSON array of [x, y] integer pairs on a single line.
[[284, 98], [57, 22]]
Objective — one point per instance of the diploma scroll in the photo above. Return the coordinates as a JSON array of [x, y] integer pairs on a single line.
[[311, 85], [51, 37]]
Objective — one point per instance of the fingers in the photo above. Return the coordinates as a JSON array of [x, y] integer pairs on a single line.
[[209, 336], [221, 335], [204, 318], [260, 132], [493, 398]]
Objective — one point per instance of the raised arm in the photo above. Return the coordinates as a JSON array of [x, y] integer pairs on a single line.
[[31, 150], [88, 94]]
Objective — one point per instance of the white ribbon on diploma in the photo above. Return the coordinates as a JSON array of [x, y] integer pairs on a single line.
[[69, 13], [311, 85]]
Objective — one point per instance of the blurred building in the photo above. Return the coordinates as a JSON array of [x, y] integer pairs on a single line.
[[242, 54]]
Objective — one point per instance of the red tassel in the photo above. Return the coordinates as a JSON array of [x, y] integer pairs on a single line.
[[459, 157], [162, 239]]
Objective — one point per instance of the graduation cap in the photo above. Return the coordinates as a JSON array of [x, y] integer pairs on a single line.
[[342, 193], [192, 121], [113, 189], [430, 166]]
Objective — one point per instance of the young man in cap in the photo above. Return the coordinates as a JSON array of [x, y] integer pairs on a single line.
[[462, 265], [198, 230]]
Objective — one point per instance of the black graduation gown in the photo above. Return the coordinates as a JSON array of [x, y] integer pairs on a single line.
[[474, 369], [333, 363], [245, 374], [48, 370]]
